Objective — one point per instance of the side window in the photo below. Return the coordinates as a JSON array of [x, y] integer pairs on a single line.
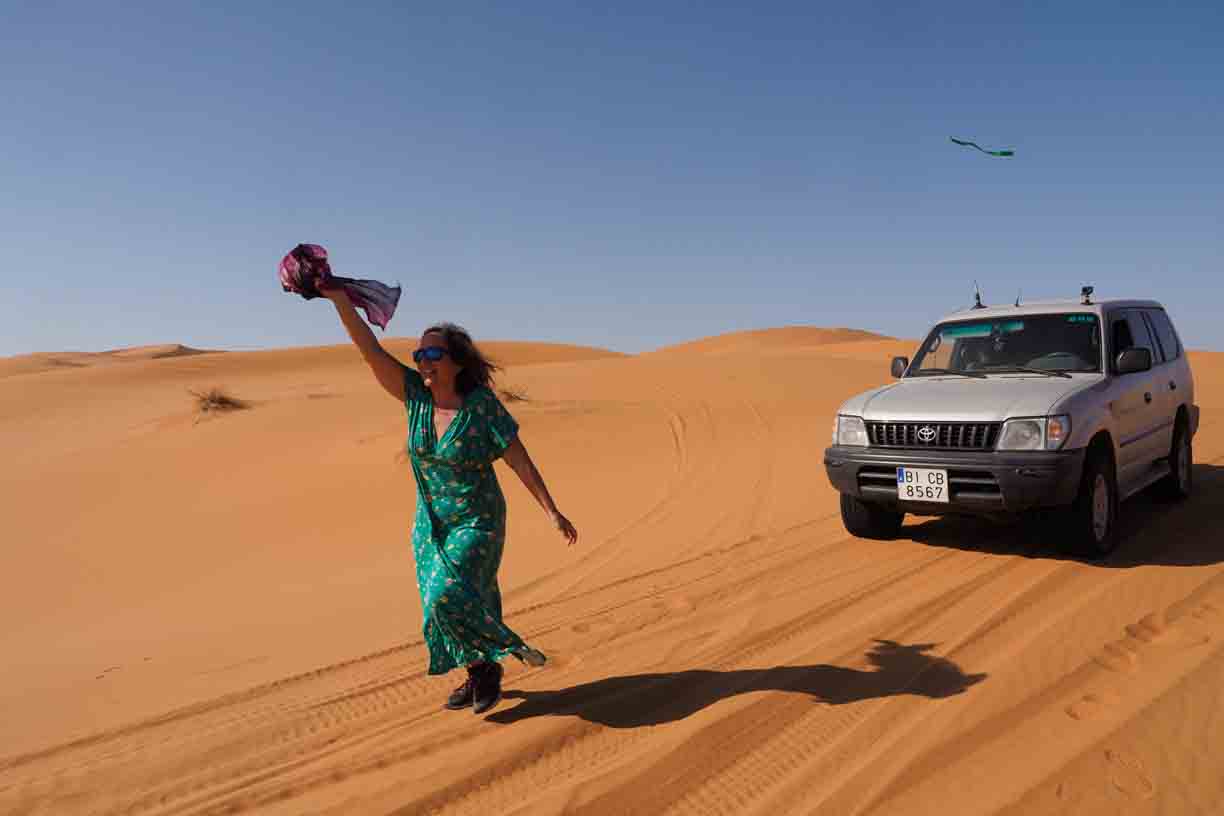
[[1128, 330], [1139, 331], [1158, 354], [1120, 335], [1165, 333]]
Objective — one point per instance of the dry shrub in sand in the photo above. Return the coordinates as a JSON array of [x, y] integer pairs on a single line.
[[215, 401]]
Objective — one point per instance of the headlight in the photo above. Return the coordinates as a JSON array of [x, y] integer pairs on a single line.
[[1038, 433], [850, 430]]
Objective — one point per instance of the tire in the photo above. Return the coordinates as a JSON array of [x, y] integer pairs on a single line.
[[1092, 520], [1180, 482], [867, 520]]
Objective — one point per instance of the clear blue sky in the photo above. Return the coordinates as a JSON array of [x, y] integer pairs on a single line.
[[616, 177]]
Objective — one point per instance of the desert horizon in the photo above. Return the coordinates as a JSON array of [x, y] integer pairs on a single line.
[[216, 611]]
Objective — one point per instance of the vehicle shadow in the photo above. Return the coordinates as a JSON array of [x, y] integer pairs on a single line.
[[636, 700], [1154, 531]]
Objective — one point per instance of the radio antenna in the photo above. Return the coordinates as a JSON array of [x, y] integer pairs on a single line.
[[1018, 292], [977, 296]]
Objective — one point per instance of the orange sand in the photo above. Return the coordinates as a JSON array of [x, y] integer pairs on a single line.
[[220, 615]]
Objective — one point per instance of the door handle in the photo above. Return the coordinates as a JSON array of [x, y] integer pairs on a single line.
[[1172, 385], [1147, 396]]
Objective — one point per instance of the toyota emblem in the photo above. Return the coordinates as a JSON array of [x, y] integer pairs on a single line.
[[926, 434]]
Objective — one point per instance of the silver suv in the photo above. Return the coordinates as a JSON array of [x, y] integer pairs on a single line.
[[1071, 405]]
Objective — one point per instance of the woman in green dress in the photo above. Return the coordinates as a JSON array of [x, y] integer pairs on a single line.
[[457, 428]]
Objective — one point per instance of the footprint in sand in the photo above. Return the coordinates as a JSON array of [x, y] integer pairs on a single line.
[[672, 603], [1128, 775], [1119, 657], [557, 660], [1204, 611], [592, 625], [680, 603], [1069, 795], [1093, 704], [1151, 629]]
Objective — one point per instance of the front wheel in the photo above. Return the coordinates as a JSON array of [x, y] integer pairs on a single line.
[[1092, 527], [867, 520]]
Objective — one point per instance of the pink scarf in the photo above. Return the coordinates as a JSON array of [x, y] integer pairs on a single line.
[[306, 265]]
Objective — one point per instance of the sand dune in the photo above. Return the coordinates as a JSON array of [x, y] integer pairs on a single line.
[[51, 361], [785, 338], [207, 617], [510, 353]]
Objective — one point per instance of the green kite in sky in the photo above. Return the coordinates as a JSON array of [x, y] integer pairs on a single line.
[[1003, 153]]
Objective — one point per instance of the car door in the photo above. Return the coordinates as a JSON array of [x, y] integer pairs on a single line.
[[1165, 379], [1176, 374], [1132, 401]]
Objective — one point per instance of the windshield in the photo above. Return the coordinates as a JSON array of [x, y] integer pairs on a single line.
[[1054, 342]]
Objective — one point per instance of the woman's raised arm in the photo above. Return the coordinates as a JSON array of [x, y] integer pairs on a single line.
[[387, 370]]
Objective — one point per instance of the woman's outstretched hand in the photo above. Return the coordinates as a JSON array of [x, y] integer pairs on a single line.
[[566, 529]]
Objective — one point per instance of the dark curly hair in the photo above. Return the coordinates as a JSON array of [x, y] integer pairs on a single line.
[[477, 369]]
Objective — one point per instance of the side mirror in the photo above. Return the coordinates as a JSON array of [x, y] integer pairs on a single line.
[[899, 364], [1134, 360]]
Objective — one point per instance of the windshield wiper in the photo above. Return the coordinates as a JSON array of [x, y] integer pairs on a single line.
[[958, 371], [1026, 370]]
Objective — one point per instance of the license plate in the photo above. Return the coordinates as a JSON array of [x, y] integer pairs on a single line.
[[922, 484]]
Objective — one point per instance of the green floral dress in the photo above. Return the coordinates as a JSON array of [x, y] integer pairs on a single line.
[[460, 527]]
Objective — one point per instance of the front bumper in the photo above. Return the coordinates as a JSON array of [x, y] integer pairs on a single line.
[[979, 482]]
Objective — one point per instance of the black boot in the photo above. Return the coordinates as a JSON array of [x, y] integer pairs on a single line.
[[462, 696], [486, 686]]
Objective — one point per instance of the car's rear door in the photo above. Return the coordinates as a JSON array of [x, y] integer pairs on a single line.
[[1174, 381], [1163, 388]]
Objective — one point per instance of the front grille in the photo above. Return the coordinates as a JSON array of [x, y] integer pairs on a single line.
[[934, 435]]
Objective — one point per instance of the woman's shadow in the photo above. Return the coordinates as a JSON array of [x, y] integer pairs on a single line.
[[650, 699]]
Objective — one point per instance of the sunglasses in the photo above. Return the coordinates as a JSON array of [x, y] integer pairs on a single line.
[[431, 353]]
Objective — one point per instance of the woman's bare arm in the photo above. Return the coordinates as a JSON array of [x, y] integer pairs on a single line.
[[519, 460], [387, 370]]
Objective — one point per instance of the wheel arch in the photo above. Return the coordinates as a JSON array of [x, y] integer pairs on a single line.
[[1102, 442], [1182, 417]]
